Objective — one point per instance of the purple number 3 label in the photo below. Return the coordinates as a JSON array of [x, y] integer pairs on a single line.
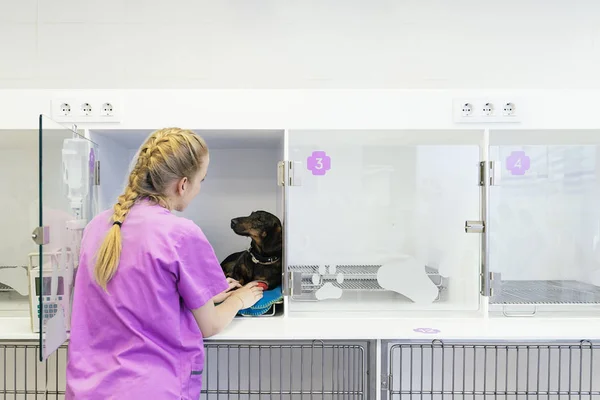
[[319, 163]]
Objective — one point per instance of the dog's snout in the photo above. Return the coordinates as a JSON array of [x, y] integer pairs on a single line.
[[234, 222]]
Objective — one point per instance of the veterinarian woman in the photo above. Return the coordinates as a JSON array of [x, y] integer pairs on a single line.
[[147, 284]]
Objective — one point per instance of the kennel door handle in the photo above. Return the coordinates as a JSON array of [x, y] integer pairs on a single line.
[[474, 227], [41, 235]]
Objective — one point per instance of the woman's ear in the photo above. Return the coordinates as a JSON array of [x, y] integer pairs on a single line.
[[182, 185]]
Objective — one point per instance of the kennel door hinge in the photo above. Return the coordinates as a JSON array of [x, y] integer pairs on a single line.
[[287, 283], [493, 169], [288, 173], [386, 382], [97, 173], [294, 286], [490, 283], [41, 235]]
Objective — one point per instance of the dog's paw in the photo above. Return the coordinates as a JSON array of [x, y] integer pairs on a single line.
[[328, 290]]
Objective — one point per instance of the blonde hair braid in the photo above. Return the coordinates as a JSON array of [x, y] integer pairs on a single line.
[[167, 155]]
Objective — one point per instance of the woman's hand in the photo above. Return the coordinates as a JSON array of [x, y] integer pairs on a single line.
[[221, 297], [249, 295], [212, 319]]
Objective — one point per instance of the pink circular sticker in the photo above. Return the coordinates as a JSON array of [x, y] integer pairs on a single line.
[[427, 330]]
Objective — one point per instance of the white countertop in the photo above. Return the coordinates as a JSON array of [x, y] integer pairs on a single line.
[[16, 328], [409, 329], [280, 328]]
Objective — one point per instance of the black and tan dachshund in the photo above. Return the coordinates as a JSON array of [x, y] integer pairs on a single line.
[[262, 261]]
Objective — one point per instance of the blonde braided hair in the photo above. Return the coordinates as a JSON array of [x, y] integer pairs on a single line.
[[167, 155]]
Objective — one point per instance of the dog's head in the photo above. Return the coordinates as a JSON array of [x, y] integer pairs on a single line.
[[263, 228]]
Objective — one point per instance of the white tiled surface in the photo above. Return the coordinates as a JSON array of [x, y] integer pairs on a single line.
[[18, 49], [310, 44], [74, 11]]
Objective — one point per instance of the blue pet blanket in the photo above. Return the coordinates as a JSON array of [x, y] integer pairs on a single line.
[[269, 298]]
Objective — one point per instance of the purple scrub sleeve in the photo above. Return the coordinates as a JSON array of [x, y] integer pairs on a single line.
[[200, 277], [140, 340]]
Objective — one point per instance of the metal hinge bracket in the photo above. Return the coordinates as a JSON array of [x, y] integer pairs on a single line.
[[386, 382], [97, 173], [491, 173], [41, 235], [294, 286], [288, 173], [286, 290], [488, 289]]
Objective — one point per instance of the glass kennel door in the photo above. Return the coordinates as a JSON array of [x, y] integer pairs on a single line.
[[67, 177], [376, 220], [544, 227]]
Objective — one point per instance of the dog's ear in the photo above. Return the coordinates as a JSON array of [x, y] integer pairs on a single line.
[[269, 229], [275, 227], [272, 235]]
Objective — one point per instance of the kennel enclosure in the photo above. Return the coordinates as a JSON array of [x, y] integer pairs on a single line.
[[433, 369], [380, 222], [233, 370], [490, 370]]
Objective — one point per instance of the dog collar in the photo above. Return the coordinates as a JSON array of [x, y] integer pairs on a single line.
[[262, 260]]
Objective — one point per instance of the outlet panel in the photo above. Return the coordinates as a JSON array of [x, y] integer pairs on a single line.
[[91, 109], [486, 110]]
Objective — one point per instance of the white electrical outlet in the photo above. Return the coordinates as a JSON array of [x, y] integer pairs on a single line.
[[485, 110], [87, 108], [65, 109], [488, 109], [509, 109], [467, 110], [107, 110]]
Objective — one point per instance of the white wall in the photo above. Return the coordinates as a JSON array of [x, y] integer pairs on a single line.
[[19, 188], [302, 44]]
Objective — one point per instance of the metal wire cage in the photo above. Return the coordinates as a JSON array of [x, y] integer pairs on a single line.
[[442, 370], [245, 371], [287, 371], [23, 377]]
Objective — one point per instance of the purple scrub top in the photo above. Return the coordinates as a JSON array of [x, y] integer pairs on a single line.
[[140, 340]]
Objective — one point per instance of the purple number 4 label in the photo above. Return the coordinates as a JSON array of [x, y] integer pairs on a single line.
[[319, 163], [518, 163]]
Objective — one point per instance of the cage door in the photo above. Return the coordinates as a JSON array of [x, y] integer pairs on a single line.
[[376, 220], [67, 177], [487, 370], [544, 221]]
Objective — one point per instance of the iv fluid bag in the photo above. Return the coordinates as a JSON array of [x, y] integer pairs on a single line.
[[76, 170]]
